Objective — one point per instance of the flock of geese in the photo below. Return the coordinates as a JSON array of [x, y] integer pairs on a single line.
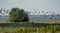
[[35, 11]]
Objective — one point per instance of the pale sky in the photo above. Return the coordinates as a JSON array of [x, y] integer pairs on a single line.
[[45, 5]]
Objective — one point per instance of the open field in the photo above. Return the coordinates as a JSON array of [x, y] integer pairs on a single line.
[[45, 21], [36, 21], [30, 27]]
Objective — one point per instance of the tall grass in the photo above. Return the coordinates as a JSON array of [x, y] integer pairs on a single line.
[[29, 28]]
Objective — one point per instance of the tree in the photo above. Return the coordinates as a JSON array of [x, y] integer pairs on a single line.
[[18, 15]]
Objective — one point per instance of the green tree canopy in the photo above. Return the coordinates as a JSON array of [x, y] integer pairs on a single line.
[[18, 15]]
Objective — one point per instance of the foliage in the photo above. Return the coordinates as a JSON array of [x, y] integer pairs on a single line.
[[18, 15]]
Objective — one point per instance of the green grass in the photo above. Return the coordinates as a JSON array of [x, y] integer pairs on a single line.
[[48, 29], [30, 27]]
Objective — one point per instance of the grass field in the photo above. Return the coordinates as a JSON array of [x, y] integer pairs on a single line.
[[30, 27], [49, 29]]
